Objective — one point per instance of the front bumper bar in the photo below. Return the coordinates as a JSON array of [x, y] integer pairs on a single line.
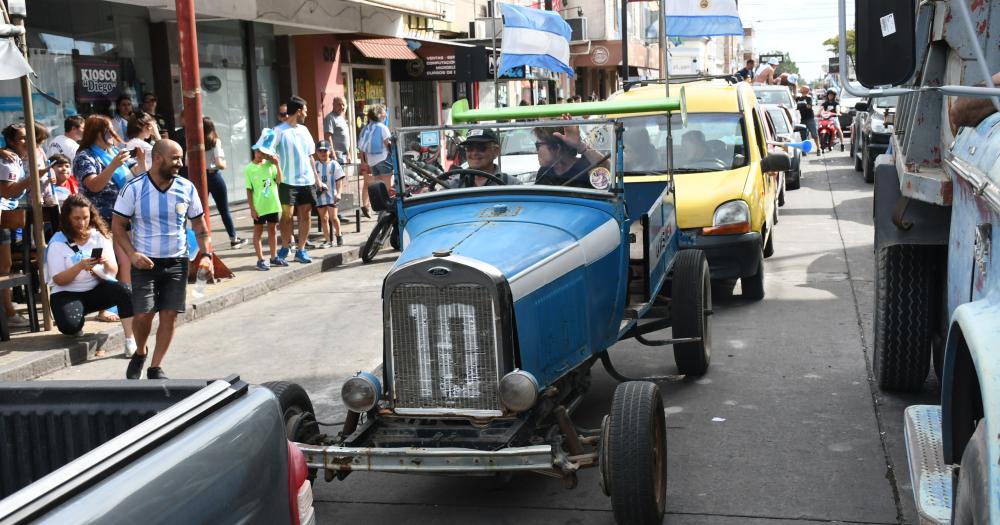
[[434, 460]]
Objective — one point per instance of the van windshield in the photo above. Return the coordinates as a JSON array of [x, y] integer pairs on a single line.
[[709, 142], [775, 96]]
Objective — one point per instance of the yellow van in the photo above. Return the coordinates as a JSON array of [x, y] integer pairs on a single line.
[[726, 176]]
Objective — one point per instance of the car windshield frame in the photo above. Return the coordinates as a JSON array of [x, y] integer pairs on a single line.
[[762, 93], [630, 169], [608, 138]]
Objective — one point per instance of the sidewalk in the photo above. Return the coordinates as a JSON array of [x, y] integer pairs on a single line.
[[30, 355]]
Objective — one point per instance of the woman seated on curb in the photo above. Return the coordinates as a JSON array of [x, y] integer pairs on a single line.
[[82, 283]]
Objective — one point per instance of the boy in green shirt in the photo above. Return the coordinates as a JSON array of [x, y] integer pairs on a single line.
[[262, 178]]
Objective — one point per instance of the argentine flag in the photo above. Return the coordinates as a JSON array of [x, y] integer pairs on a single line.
[[536, 38], [703, 18]]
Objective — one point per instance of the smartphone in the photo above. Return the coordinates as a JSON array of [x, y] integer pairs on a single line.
[[133, 152], [96, 253]]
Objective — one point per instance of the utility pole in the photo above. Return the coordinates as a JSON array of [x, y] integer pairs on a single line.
[[551, 84], [194, 132], [18, 12], [624, 29]]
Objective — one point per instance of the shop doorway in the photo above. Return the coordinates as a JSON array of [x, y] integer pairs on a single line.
[[418, 103], [368, 89]]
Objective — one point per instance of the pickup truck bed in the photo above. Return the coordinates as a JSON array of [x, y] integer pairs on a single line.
[[142, 452]]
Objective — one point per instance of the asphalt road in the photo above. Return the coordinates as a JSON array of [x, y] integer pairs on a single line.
[[785, 428]]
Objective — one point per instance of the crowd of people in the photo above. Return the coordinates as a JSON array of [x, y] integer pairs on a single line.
[[126, 210]]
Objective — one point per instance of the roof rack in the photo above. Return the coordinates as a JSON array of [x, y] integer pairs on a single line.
[[680, 79], [460, 111]]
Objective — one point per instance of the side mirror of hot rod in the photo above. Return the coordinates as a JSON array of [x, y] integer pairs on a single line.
[[777, 161]]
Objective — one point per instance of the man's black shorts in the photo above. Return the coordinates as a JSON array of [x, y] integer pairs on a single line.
[[270, 218], [296, 195], [162, 287]]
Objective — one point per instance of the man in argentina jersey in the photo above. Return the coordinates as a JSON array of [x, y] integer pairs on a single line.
[[299, 185], [156, 204]]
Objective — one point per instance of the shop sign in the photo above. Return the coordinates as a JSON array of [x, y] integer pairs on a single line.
[[97, 80], [600, 55], [440, 66]]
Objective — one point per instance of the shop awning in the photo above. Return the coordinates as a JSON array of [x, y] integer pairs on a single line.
[[385, 48]]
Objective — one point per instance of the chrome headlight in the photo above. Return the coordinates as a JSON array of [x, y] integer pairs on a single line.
[[362, 392], [732, 212], [518, 390]]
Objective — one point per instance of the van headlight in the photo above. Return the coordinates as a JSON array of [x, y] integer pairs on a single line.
[[518, 391], [362, 392]]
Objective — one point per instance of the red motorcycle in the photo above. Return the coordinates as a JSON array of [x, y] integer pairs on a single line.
[[827, 129]]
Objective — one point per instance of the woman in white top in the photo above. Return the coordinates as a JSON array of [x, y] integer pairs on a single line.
[[82, 281], [215, 162], [141, 126], [374, 146]]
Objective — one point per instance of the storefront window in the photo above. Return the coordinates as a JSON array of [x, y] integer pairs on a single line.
[[267, 76], [369, 90]]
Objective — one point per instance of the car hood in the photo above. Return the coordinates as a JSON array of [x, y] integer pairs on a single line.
[[516, 241], [699, 194]]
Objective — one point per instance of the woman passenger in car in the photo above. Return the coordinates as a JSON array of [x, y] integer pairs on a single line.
[[558, 148]]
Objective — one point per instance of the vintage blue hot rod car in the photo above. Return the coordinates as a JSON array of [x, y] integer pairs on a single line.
[[503, 298]]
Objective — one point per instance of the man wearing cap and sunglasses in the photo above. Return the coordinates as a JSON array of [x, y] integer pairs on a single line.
[[482, 147]]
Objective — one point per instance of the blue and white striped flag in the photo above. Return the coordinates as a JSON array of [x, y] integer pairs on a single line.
[[536, 38], [703, 18]]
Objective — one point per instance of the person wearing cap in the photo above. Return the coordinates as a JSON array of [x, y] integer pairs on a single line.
[[482, 147], [831, 104], [263, 178], [329, 172], [746, 74], [766, 73]]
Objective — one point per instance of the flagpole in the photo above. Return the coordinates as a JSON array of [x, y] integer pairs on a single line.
[[496, 61]]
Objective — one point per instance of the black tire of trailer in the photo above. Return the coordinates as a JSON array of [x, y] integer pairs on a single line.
[[296, 413], [904, 298], [636, 454], [691, 305], [753, 286], [971, 497], [377, 238], [869, 165]]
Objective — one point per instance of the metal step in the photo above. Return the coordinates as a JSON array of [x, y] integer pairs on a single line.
[[930, 477]]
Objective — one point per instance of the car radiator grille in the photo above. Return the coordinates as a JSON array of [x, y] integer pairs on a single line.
[[444, 351]]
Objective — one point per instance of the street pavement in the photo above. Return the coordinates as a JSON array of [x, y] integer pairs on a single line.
[[786, 427]]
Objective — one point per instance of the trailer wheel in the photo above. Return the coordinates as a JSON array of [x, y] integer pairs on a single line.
[[903, 306], [296, 410], [971, 498], [753, 286], [690, 307], [636, 454]]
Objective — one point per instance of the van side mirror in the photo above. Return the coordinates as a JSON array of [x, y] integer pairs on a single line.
[[885, 42], [861, 106], [777, 161]]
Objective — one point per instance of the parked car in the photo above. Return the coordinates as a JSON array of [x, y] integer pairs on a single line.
[[779, 120], [870, 133], [503, 299], [164, 451], [779, 95], [728, 209], [518, 156], [848, 110]]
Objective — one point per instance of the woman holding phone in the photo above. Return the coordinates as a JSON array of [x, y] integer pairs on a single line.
[[81, 267]]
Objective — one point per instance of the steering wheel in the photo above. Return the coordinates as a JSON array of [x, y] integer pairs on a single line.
[[469, 171]]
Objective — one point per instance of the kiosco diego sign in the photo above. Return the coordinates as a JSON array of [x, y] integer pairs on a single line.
[[97, 80]]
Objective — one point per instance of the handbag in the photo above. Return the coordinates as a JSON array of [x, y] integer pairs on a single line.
[[12, 219]]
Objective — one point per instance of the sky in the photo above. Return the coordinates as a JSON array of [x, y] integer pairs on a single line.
[[798, 27]]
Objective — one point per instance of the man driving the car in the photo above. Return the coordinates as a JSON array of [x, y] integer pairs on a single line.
[[482, 147], [694, 149]]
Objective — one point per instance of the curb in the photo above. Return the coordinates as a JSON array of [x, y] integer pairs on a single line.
[[82, 349]]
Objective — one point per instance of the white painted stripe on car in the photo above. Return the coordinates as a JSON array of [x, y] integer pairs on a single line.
[[591, 248]]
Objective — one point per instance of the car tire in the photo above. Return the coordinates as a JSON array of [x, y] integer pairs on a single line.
[[635, 470], [903, 306], [377, 238], [971, 497], [753, 286], [781, 197], [691, 305], [394, 237], [795, 181], [869, 165], [855, 150], [296, 413], [769, 245]]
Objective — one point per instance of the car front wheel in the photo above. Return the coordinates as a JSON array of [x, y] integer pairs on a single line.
[[634, 455]]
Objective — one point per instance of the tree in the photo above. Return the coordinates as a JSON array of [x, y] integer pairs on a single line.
[[833, 45]]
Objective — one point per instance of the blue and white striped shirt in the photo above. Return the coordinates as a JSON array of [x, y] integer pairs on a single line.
[[295, 148], [328, 172], [158, 216]]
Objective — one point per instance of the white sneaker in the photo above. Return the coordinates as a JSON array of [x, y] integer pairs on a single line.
[[17, 321], [130, 348]]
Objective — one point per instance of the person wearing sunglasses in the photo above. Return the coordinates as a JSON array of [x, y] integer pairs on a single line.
[[559, 165], [482, 147]]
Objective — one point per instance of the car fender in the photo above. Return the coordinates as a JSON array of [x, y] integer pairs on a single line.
[[973, 350], [930, 224]]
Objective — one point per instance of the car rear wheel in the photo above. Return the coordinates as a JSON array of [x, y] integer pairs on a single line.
[[794, 181], [903, 304], [753, 286], [634, 455], [691, 307], [869, 165]]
